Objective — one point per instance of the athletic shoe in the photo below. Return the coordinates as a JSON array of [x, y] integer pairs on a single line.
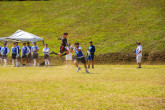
[[93, 67], [139, 67], [78, 69], [87, 71], [88, 66]]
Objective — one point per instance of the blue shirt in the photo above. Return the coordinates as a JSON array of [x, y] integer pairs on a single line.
[[46, 50], [18, 49], [30, 48], [14, 50], [4, 50], [79, 53], [0, 49], [34, 48], [91, 49], [24, 50]]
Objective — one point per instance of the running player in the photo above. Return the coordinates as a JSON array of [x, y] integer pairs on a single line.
[[25, 52], [35, 50], [46, 55], [14, 54], [4, 53], [18, 57], [29, 58], [63, 46], [80, 57]]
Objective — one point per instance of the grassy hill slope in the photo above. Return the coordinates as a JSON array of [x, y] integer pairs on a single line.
[[113, 25]]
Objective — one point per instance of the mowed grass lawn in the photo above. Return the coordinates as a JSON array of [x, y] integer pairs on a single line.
[[107, 87]]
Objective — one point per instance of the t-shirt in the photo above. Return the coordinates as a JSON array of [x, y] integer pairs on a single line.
[[79, 53], [139, 48], [4, 50], [0, 49], [29, 48], [25, 50], [46, 50], [91, 49], [14, 50], [18, 48], [64, 41], [34, 48], [70, 53]]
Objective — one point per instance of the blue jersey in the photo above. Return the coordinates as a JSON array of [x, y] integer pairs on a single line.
[[14, 50], [4, 50], [18, 47], [0, 49], [24, 50], [34, 48], [79, 53], [30, 48], [46, 50], [91, 49]]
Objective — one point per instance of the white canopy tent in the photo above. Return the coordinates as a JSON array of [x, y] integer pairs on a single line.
[[22, 36]]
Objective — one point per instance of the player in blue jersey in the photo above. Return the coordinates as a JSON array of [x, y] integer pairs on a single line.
[[90, 53], [80, 57], [0, 56], [18, 57], [29, 58], [14, 54], [24, 53], [46, 55], [35, 51], [4, 53]]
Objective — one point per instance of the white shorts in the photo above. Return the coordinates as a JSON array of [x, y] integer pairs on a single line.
[[138, 59], [68, 57]]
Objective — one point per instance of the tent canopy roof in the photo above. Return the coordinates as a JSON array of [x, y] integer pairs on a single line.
[[21, 36]]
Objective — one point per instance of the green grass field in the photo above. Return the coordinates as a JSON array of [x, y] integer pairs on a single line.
[[107, 87], [113, 25]]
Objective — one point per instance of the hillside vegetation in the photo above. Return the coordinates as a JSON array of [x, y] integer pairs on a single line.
[[113, 25]]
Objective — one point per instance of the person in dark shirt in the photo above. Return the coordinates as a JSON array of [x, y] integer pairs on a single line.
[[63, 46], [90, 54]]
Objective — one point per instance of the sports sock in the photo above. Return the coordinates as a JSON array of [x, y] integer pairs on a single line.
[[5, 61], [1, 61], [12, 62], [48, 62], [37, 64], [45, 62], [34, 62]]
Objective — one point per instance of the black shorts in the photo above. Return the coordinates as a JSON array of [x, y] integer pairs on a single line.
[[24, 56], [35, 55], [14, 56], [0, 56], [82, 60], [29, 56], [4, 56], [62, 49], [46, 56]]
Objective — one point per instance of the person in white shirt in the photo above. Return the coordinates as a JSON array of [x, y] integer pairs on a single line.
[[69, 55], [139, 54], [4, 53], [46, 55]]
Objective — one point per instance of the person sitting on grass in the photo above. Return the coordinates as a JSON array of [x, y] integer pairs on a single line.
[[14, 54], [80, 57], [91, 52], [63, 46], [46, 55], [35, 51], [25, 52], [4, 53]]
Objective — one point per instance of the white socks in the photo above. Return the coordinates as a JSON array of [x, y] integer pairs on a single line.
[[13, 62], [1, 61], [5, 61], [47, 63], [34, 62]]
